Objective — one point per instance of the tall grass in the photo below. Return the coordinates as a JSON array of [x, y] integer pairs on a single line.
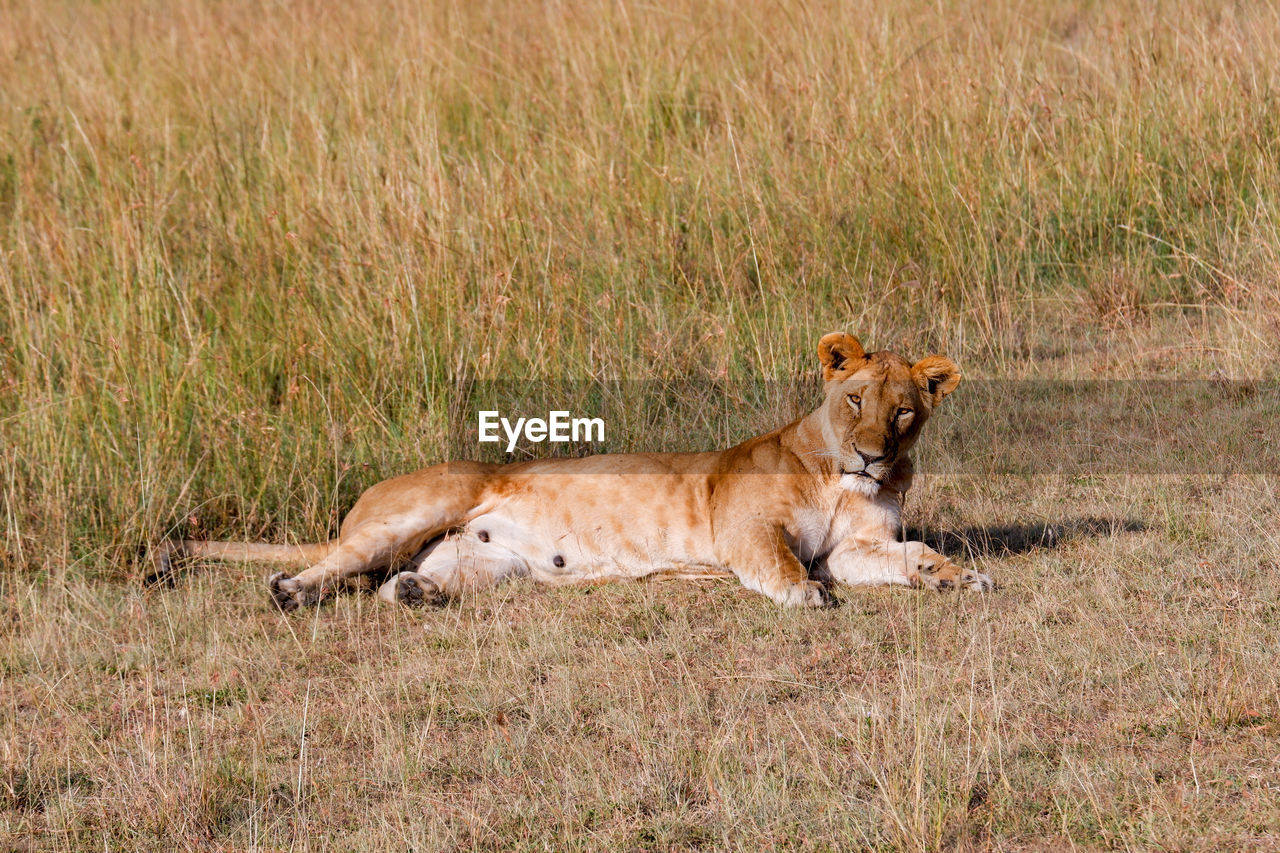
[[244, 246]]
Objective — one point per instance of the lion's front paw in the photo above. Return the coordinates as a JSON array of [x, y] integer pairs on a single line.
[[804, 594], [976, 581], [938, 573], [289, 594]]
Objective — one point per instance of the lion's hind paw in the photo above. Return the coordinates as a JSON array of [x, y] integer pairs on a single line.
[[289, 594], [416, 590]]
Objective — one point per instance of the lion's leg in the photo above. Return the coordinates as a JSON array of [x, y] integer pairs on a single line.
[[906, 563], [459, 564], [759, 556], [389, 524], [373, 546]]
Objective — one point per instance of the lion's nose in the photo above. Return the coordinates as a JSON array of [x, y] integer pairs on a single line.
[[868, 461]]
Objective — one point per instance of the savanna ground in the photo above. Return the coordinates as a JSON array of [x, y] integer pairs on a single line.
[[245, 247]]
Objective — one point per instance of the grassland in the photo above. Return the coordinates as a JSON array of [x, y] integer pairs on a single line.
[[246, 248]]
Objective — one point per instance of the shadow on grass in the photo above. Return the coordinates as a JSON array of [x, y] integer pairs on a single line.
[[1002, 540]]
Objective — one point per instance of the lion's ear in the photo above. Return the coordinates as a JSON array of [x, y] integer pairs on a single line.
[[937, 376], [838, 351]]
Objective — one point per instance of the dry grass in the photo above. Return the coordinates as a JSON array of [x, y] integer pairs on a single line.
[[1119, 691], [245, 247]]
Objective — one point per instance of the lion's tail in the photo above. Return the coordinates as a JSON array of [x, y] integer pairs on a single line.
[[168, 557]]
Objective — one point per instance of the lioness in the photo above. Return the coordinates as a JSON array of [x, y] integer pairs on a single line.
[[824, 491]]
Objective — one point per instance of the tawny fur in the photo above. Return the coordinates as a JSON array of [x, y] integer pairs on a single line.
[[822, 493]]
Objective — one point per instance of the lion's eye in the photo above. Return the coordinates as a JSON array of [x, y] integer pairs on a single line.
[[854, 400], [902, 413]]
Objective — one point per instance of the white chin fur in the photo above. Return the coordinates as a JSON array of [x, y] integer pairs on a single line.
[[857, 483]]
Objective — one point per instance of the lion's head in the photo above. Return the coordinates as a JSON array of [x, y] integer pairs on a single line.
[[876, 404]]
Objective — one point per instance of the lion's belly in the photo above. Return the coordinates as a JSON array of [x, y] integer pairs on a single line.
[[568, 529]]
